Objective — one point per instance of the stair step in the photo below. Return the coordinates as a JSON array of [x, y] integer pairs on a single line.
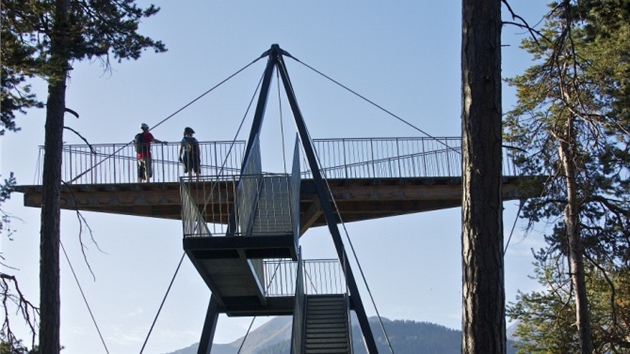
[[328, 346], [326, 303], [326, 325], [330, 318], [326, 310], [319, 308], [330, 334], [326, 340], [332, 315], [323, 326], [325, 333]]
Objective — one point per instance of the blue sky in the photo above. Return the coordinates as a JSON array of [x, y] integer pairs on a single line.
[[405, 56]]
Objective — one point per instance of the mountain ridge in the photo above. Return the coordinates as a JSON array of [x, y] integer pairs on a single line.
[[405, 336]]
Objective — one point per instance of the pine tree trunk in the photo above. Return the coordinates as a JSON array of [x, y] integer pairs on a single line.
[[572, 223], [483, 296], [49, 339]]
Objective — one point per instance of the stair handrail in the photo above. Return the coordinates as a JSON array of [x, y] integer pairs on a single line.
[[193, 222], [299, 323], [346, 297], [295, 193], [348, 321], [248, 188]]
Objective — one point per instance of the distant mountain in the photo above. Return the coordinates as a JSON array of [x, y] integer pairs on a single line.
[[511, 330], [275, 331], [406, 337]]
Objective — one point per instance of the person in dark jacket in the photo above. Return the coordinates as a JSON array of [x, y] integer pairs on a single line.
[[189, 153]]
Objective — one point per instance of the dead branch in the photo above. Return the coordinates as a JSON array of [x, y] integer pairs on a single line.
[[522, 23], [25, 308], [82, 138]]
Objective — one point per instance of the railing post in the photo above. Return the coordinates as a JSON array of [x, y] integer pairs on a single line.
[[448, 154], [95, 171], [114, 164], [372, 158], [70, 160], [400, 175], [162, 163], [424, 158], [216, 160], [345, 158]]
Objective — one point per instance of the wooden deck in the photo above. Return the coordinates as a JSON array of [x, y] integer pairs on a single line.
[[357, 199]]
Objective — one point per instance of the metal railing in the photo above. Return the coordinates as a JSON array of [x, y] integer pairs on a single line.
[[320, 277], [255, 215], [248, 189], [261, 204], [394, 158], [117, 163], [192, 220], [339, 158]]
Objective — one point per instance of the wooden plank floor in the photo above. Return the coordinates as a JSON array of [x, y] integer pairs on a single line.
[[357, 199]]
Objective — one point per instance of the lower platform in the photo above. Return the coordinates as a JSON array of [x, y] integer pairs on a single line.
[[272, 246], [232, 267]]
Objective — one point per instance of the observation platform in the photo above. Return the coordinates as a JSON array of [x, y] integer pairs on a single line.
[[367, 178]]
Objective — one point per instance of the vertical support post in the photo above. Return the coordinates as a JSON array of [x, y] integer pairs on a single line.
[[209, 326], [274, 52], [259, 114]]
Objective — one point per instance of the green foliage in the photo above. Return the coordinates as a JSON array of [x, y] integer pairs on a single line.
[[6, 188], [98, 30], [15, 95], [15, 347], [547, 319], [572, 125], [42, 39], [580, 77]]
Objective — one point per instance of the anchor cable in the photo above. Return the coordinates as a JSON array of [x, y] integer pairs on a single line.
[[165, 119], [168, 290], [356, 257], [284, 158], [376, 105], [76, 279], [520, 207], [275, 271], [246, 334], [238, 131]]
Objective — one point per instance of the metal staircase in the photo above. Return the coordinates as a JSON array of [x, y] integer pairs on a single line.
[[263, 219], [327, 330]]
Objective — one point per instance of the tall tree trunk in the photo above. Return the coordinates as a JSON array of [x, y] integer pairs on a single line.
[[572, 223], [483, 296], [49, 341]]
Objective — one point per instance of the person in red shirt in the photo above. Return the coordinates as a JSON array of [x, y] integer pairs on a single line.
[[143, 149]]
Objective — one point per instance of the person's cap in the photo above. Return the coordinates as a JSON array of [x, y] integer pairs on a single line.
[[189, 130], [144, 126]]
